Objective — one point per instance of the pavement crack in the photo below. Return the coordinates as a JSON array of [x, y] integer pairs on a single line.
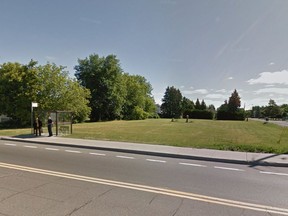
[[176, 210], [152, 199], [8, 197], [102, 194], [76, 209]]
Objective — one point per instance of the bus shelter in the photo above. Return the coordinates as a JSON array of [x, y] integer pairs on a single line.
[[62, 121]]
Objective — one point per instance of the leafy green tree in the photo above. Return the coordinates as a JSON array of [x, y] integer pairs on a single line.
[[212, 108], [172, 103], [139, 103], [49, 85], [59, 92], [187, 105], [18, 88], [256, 112], [272, 110], [284, 110], [231, 110], [102, 76]]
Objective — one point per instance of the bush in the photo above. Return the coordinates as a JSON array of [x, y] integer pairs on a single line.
[[227, 115], [198, 114]]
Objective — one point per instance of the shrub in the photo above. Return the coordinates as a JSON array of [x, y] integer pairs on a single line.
[[198, 114]]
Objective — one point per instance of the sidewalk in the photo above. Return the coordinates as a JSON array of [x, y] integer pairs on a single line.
[[252, 159]]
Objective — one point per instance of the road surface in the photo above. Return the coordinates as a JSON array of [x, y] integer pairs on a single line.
[[48, 180]]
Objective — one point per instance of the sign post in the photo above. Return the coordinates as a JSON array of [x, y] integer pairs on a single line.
[[33, 104]]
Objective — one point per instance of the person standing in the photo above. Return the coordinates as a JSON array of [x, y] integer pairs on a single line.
[[35, 126], [39, 126], [50, 123]]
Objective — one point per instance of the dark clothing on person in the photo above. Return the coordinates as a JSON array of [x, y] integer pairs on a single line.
[[50, 123], [37, 125], [40, 126]]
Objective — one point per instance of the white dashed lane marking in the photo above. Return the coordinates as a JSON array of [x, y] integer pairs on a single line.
[[98, 154], [228, 168], [195, 165], [73, 151], [30, 146], [52, 149], [124, 157], [272, 173], [157, 161], [10, 144]]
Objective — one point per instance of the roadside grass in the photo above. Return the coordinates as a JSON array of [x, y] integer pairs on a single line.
[[250, 136], [15, 132]]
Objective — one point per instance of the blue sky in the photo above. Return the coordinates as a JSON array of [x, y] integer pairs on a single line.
[[206, 48]]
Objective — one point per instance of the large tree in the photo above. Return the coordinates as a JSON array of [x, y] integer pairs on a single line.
[[187, 105], [102, 76], [19, 85], [272, 110], [59, 92], [49, 85], [172, 103], [234, 102], [139, 103], [231, 110]]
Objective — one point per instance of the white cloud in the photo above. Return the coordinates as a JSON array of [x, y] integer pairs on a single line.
[[230, 78], [196, 91], [216, 96], [279, 77], [273, 91], [221, 91], [271, 63]]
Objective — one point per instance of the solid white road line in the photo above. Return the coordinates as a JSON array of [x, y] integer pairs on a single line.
[[195, 165], [227, 168], [98, 154], [157, 161], [155, 190], [272, 173], [124, 157], [72, 151]]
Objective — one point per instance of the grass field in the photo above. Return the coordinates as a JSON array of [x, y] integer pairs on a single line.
[[252, 136]]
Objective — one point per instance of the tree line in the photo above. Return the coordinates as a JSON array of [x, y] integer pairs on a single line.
[[272, 110], [174, 105], [101, 91]]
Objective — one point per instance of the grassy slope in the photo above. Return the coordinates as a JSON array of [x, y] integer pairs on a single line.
[[250, 136]]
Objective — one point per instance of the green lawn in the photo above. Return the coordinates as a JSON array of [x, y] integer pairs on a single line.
[[252, 136]]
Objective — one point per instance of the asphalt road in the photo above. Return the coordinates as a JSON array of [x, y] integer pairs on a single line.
[[48, 180]]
